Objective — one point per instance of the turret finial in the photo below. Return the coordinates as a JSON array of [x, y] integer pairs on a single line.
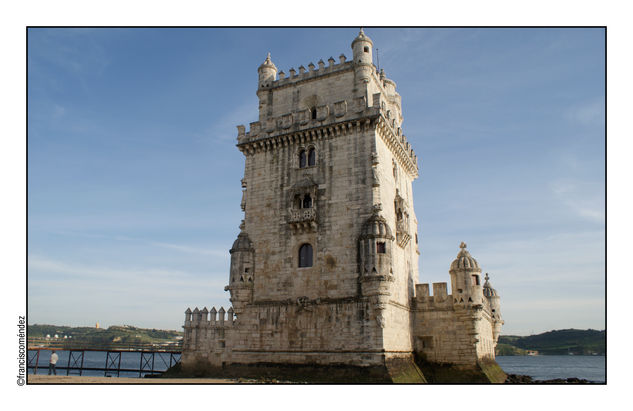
[[486, 277], [462, 245]]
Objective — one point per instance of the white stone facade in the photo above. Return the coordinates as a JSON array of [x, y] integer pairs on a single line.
[[324, 270]]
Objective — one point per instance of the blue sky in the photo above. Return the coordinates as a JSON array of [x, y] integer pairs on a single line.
[[134, 177]]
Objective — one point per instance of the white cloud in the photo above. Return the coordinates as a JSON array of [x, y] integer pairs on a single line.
[[66, 292], [587, 113], [194, 250], [226, 128], [566, 304], [585, 199], [188, 249], [39, 266], [58, 111]]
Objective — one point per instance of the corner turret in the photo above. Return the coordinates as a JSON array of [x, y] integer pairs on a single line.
[[242, 270], [495, 308], [465, 278], [267, 73], [363, 57], [375, 253]]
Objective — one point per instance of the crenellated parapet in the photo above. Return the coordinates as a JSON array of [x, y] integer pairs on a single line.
[[426, 302], [441, 300], [207, 329], [209, 318], [311, 73]]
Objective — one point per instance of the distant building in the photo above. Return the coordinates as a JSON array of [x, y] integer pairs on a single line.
[[97, 325], [324, 271]]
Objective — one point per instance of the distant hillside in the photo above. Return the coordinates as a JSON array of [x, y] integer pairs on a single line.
[[115, 334], [556, 342]]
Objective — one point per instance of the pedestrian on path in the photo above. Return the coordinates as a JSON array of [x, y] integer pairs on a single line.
[[53, 363]]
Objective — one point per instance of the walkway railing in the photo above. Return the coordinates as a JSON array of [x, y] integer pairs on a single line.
[[152, 357]]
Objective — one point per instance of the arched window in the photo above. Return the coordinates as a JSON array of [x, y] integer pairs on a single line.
[[302, 159], [366, 49], [314, 113], [305, 256], [311, 156], [307, 201]]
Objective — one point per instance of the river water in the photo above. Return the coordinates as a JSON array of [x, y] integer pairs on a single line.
[[541, 367], [548, 367]]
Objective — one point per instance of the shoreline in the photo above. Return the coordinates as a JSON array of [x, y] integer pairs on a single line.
[[526, 379], [75, 379]]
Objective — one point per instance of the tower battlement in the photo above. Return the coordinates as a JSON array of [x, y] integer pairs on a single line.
[[331, 120], [313, 72]]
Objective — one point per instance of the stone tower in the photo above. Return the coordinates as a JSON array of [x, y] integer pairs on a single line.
[[324, 269]]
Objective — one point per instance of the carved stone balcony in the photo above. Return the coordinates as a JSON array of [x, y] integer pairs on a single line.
[[302, 220]]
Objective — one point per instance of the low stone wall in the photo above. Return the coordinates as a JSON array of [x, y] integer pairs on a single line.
[[401, 369]]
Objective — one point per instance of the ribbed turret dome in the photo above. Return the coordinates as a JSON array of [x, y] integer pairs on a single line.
[[362, 37], [376, 227], [488, 290], [242, 243], [464, 261], [268, 63]]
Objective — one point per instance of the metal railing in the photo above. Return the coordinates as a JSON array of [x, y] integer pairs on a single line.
[[148, 361]]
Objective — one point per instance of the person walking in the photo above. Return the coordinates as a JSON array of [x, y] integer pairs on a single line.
[[53, 363]]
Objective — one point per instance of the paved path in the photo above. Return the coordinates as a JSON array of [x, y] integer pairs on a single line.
[[74, 379]]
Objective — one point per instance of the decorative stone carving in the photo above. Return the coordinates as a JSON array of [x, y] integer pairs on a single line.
[[303, 117], [243, 202], [340, 108], [360, 104], [286, 121], [402, 220], [374, 170]]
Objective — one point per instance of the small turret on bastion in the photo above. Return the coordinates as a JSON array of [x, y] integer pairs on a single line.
[[323, 278]]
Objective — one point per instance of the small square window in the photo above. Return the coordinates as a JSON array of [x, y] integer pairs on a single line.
[[381, 248]]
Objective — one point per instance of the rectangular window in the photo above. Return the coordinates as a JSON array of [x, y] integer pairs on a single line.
[[381, 248]]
